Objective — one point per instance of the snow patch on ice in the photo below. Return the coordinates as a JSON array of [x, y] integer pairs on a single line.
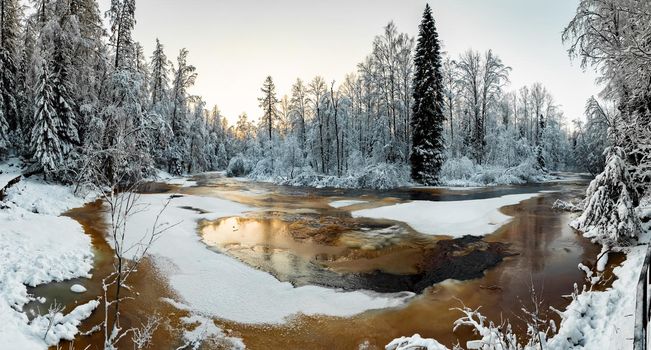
[[77, 288], [451, 218], [231, 289], [345, 203], [205, 331]]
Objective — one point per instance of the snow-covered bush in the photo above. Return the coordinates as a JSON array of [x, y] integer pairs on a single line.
[[464, 172], [414, 342], [458, 169], [491, 336], [382, 176], [263, 169], [610, 215], [238, 166]]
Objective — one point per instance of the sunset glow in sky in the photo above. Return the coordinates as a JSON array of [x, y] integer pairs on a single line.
[[235, 44]]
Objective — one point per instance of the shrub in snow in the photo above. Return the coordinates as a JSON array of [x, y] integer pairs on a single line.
[[238, 166], [263, 169], [55, 326], [382, 176], [414, 342], [610, 216], [464, 172], [492, 336], [458, 169]]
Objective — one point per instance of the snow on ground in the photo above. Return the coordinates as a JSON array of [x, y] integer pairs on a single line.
[[205, 331], [414, 342], [605, 320], [594, 319], [9, 170], [451, 218], [43, 198], [345, 203], [38, 246], [168, 178], [229, 288]]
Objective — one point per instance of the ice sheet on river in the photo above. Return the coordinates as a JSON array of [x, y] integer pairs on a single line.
[[476, 217], [222, 286]]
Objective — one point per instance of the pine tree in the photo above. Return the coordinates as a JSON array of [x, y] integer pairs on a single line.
[[46, 145], [122, 18], [9, 33], [4, 129], [65, 106], [159, 74], [610, 214], [268, 103], [427, 153]]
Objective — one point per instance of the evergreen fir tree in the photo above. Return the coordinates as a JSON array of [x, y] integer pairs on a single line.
[[268, 103], [64, 106], [122, 18], [427, 153], [9, 34], [159, 74], [46, 145], [609, 215], [4, 129]]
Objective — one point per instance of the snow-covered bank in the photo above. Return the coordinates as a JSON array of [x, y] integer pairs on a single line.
[[593, 320], [450, 218], [603, 320], [38, 246], [229, 288], [8, 171], [461, 172]]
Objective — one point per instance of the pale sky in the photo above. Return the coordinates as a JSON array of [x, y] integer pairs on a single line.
[[235, 44]]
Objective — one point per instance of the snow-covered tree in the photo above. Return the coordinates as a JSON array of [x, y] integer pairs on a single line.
[[45, 140], [609, 214], [269, 104], [122, 18], [159, 75], [10, 12], [427, 153]]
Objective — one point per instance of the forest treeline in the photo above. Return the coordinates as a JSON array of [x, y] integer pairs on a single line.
[[80, 101]]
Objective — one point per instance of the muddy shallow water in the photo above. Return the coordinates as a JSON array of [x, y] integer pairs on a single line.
[[296, 236]]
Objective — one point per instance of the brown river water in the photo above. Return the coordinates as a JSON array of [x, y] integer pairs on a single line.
[[297, 237]]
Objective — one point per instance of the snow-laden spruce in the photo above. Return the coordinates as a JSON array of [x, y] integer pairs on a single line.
[[610, 215]]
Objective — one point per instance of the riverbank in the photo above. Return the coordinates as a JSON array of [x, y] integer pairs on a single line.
[[236, 301], [38, 246]]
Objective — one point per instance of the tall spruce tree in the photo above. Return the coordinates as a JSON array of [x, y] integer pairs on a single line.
[[427, 149], [62, 65], [269, 103], [46, 144], [159, 74], [9, 34]]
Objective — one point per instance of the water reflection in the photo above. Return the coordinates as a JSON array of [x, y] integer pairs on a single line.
[[548, 254], [315, 250]]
